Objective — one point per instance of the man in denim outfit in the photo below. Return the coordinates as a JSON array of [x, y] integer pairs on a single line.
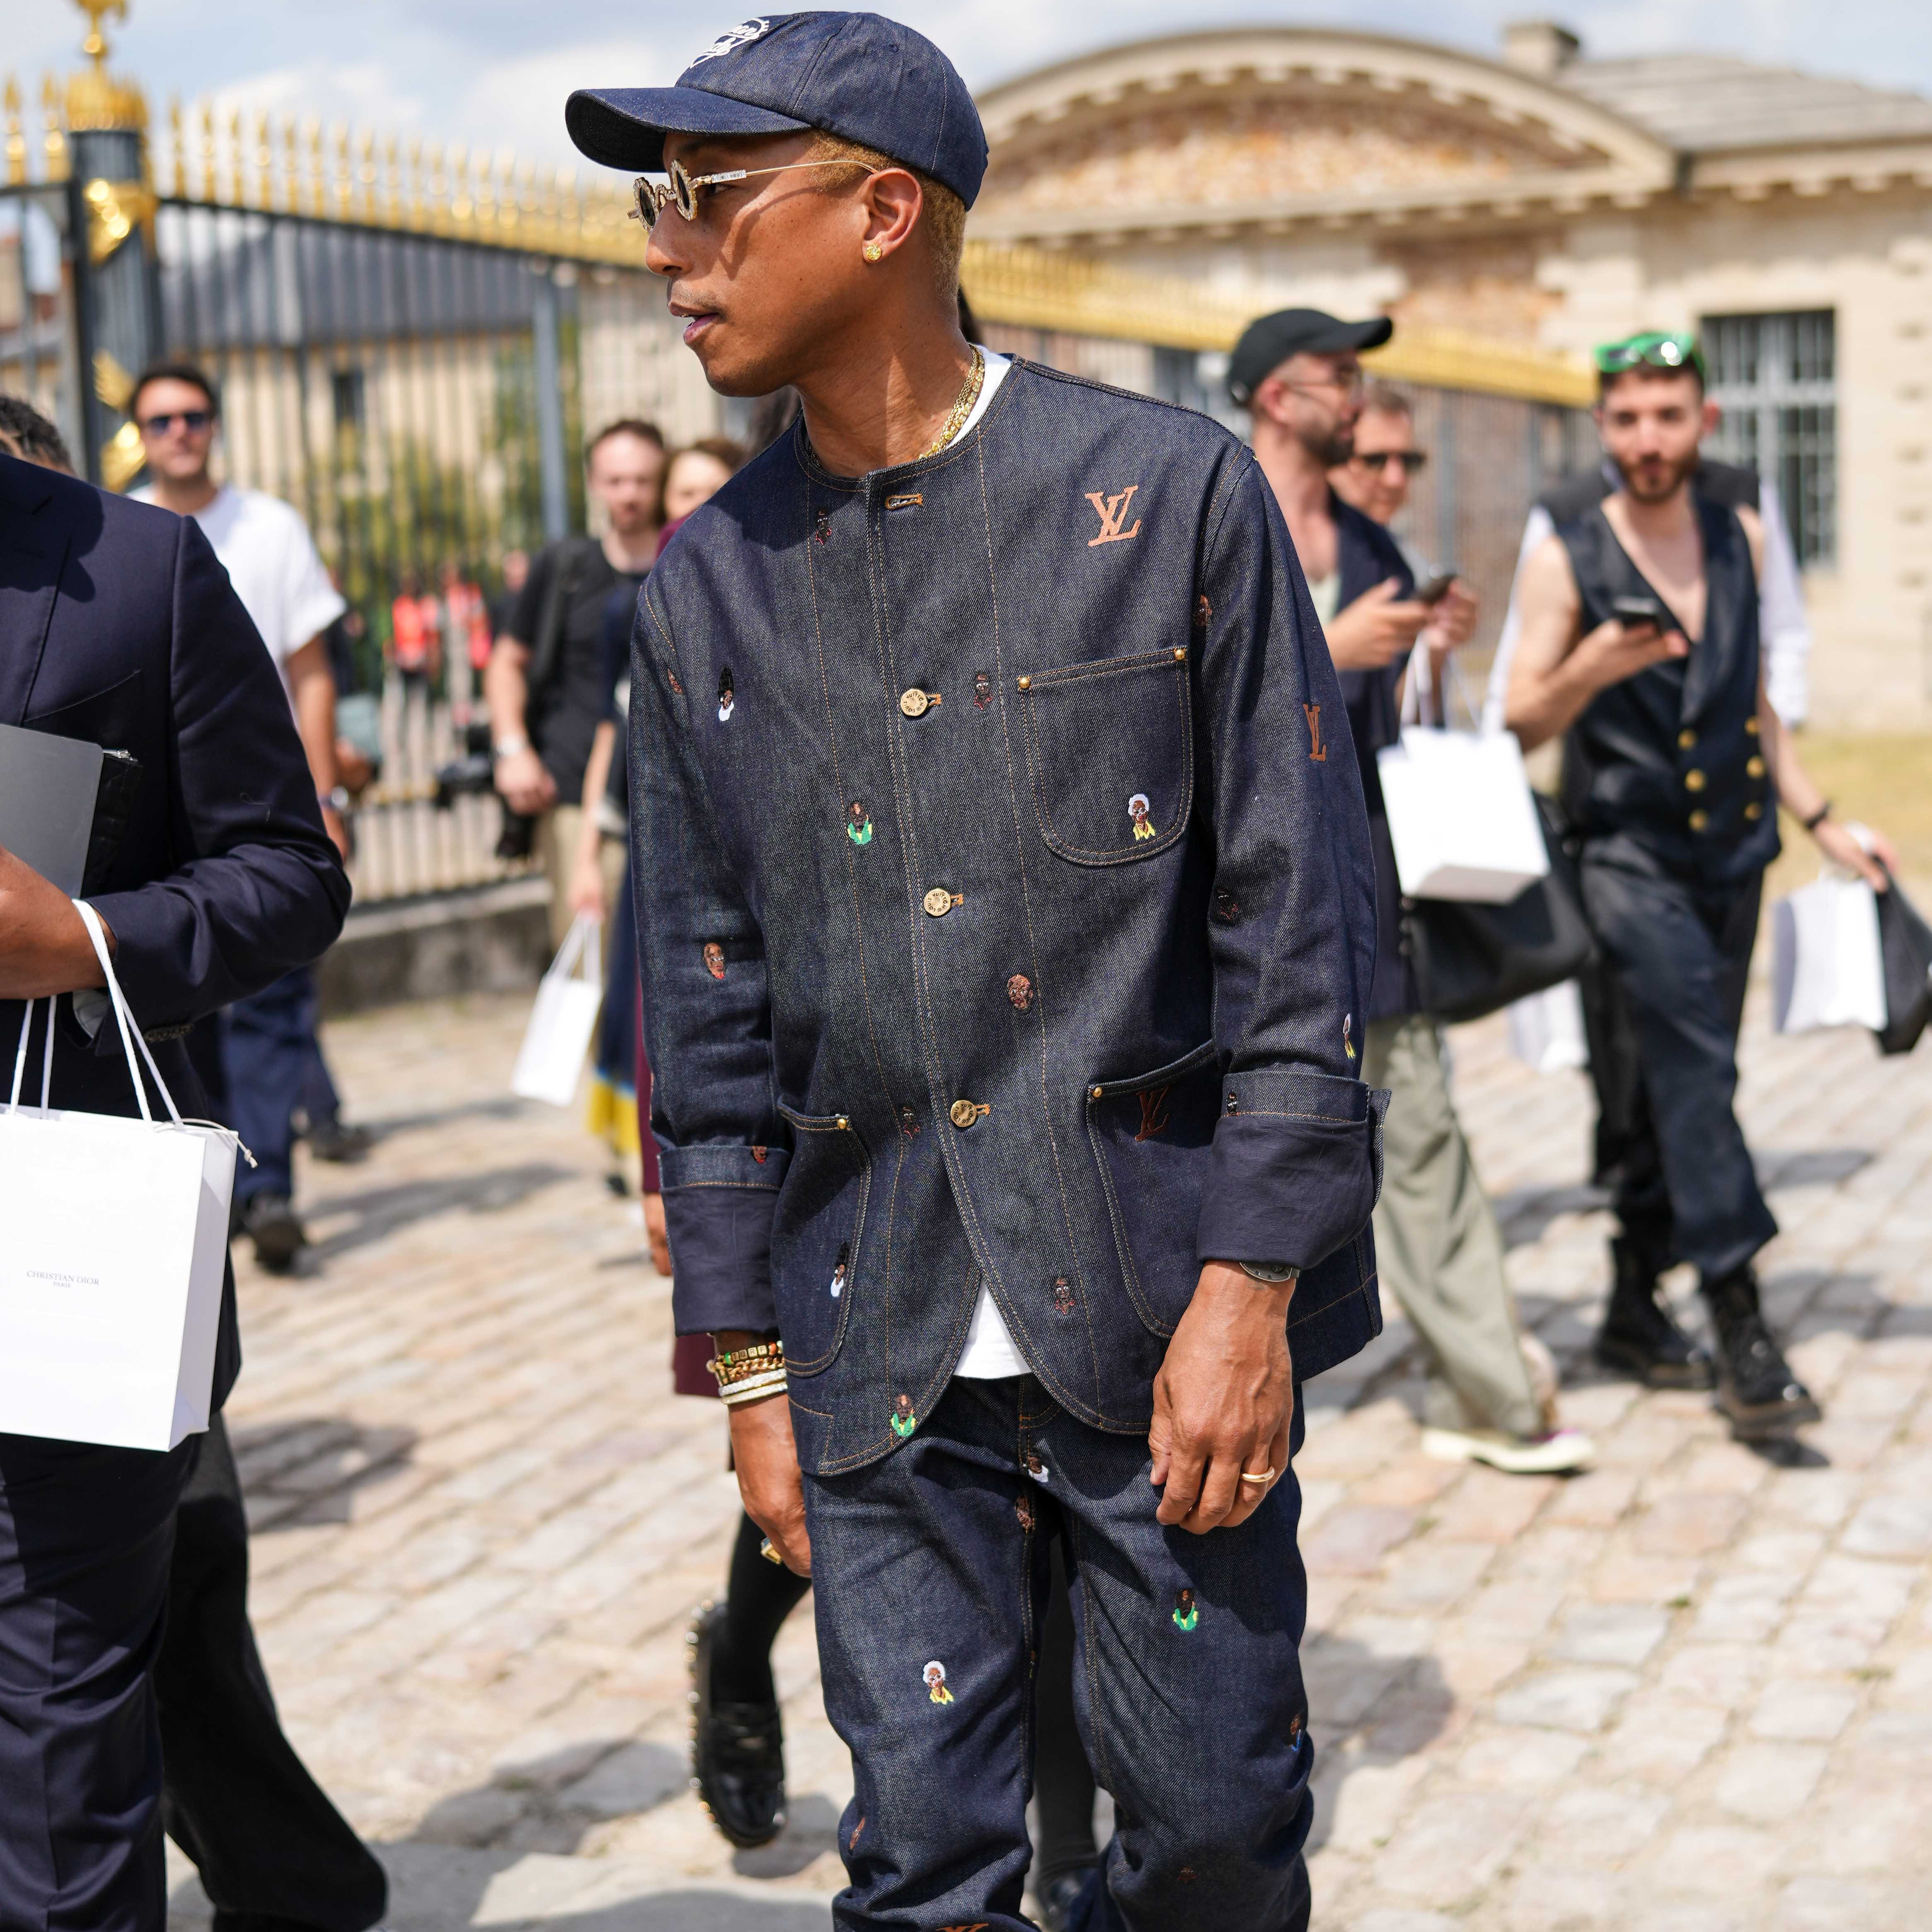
[[1025, 1109]]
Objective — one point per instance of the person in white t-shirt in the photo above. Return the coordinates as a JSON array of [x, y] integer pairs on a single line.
[[270, 1061]]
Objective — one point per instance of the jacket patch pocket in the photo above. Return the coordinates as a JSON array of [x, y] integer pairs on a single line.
[[818, 1255], [1153, 1138], [1110, 745]]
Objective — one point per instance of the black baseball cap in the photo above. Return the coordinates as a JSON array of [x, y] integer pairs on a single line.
[[1267, 343], [859, 76]]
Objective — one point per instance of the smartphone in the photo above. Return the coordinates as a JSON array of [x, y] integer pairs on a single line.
[[1634, 612], [1436, 589]]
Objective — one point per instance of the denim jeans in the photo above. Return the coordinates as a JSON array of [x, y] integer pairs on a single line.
[[268, 1047], [929, 1571]]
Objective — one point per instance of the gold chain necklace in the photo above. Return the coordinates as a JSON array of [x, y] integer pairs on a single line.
[[969, 394]]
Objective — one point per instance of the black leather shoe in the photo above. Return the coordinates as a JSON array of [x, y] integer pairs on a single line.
[[331, 1140], [737, 1750], [1756, 1388], [1061, 1895], [1638, 1337], [269, 1220]]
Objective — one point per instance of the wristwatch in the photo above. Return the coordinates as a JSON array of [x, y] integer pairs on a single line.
[[1273, 1273], [508, 747], [337, 800]]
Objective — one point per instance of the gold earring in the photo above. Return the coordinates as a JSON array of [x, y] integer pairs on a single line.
[[873, 252]]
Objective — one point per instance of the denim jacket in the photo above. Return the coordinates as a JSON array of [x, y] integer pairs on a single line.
[[1006, 905]]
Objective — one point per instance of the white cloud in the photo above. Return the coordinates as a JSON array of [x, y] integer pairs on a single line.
[[364, 93], [518, 103]]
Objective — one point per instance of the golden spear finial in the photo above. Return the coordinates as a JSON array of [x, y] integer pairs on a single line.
[[16, 141], [95, 46]]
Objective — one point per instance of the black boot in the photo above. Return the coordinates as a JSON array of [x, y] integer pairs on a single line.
[[1756, 1388], [737, 1750], [1638, 1336]]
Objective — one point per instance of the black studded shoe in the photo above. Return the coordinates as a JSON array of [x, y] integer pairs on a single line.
[[737, 1750], [1638, 1338], [1756, 1388]]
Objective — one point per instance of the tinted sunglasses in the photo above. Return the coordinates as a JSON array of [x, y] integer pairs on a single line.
[[680, 190], [1655, 349], [1411, 459], [194, 421]]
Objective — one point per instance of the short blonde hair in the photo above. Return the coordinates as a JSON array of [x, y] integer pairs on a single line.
[[945, 213]]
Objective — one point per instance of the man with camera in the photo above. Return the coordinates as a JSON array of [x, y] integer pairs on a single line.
[[1640, 641]]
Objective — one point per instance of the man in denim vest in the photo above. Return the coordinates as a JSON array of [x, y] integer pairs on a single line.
[[1006, 904]]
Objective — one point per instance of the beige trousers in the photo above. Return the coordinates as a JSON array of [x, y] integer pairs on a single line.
[[1437, 1243], [558, 831]]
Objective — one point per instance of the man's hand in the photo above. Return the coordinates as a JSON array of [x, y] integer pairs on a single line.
[[768, 1481], [1613, 652], [1374, 630], [525, 782], [657, 1237], [1453, 622], [1223, 1401], [586, 885], [43, 947], [1843, 847]]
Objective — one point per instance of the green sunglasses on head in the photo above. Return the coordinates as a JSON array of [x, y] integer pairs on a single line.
[[1655, 349]]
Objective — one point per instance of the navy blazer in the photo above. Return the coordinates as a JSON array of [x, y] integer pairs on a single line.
[[118, 626]]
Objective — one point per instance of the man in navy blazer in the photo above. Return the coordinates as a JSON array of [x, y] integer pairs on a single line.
[[117, 626]]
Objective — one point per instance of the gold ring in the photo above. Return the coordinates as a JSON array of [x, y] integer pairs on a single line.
[[1260, 1476], [770, 1555]]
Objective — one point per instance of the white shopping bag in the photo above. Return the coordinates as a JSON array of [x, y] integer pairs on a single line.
[[551, 1061], [1546, 1029], [1827, 969], [1460, 815], [113, 1241]]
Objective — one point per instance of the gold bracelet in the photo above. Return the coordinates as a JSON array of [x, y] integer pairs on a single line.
[[754, 1390]]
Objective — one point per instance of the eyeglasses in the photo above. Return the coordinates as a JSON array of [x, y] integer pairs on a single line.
[[681, 191], [1372, 460], [1352, 384], [1655, 349], [193, 420]]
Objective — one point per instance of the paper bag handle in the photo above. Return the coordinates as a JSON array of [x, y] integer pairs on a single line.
[[131, 1034], [46, 1058], [573, 952], [1421, 676]]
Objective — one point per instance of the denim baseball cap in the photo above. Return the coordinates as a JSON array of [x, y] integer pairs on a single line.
[[859, 76]]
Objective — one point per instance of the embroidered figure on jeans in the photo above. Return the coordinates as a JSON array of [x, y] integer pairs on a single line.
[[1019, 991], [838, 1271], [1187, 1612], [904, 1420], [1063, 1295], [982, 691], [858, 824], [935, 1683], [1137, 810], [714, 959], [1348, 1045], [727, 696]]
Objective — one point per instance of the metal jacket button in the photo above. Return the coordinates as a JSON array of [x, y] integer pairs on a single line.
[[1755, 767], [964, 1113], [1751, 725], [1754, 810], [1693, 780], [939, 901], [1685, 740], [1699, 820], [915, 704]]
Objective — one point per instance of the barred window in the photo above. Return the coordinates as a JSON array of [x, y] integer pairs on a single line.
[[1774, 377]]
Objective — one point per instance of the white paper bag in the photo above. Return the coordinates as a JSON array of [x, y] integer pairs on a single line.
[[1460, 815], [1546, 1029], [1827, 969], [551, 1060], [115, 1241]]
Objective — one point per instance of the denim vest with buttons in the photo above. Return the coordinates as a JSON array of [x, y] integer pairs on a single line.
[[1006, 909]]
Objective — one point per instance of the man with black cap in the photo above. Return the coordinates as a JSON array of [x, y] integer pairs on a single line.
[[1002, 936], [1488, 1398]]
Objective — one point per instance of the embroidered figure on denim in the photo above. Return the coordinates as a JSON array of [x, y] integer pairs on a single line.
[[1348, 1045], [758, 1153], [1227, 908], [908, 1120], [839, 1270], [714, 959], [935, 1683], [674, 684], [1036, 1469], [982, 691], [1023, 1509], [859, 825], [823, 532], [1019, 990], [1063, 1295], [1187, 1612], [732, 39], [904, 1420], [1203, 612], [727, 696], [852, 1842], [1112, 512], [1137, 810], [1318, 752], [1154, 1113]]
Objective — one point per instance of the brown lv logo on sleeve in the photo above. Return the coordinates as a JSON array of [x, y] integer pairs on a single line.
[[1112, 511], [1317, 750], [1154, 1113]]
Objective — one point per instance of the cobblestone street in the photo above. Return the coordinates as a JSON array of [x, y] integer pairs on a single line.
[[1690, 1690]]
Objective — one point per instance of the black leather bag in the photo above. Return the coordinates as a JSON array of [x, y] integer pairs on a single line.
[[1470, 959], [1905, 946]]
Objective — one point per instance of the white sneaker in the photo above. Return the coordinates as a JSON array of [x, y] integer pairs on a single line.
[[1554, 1454]]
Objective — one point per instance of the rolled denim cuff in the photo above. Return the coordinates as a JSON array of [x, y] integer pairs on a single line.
[[1296, 1169], [720, 1244]]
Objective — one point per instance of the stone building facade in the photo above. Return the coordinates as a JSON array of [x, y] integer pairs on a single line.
[[1546, 202]]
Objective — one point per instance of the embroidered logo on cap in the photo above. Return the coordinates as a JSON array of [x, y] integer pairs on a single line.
[[732, 39]]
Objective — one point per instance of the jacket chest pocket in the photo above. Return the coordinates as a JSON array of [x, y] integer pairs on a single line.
[[817, 1236], [1110, 748]]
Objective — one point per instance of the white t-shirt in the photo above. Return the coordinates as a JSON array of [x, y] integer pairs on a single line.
[[989, 1352], [264, 548]]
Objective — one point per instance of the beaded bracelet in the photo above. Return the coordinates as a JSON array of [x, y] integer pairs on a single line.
[[734, 1365]]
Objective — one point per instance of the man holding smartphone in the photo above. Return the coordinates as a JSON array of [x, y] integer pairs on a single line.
[[1338, 455], [1640, 641]]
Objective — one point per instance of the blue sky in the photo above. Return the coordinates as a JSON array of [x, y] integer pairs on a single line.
[[494, 72]]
